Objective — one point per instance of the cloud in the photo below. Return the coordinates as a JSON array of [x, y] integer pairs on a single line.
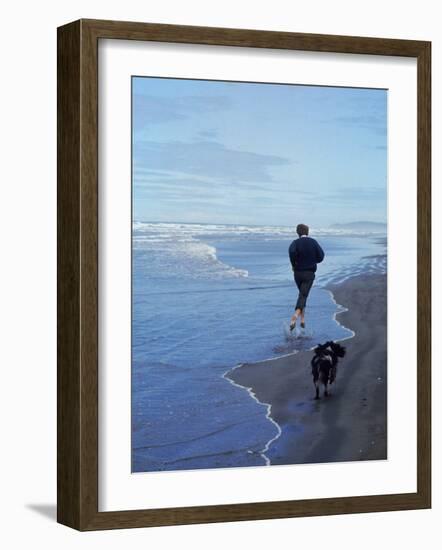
[[357, 194], [165, 180], [150, 109], [376, 123], [175, 188], [366, 120], [208, 159], [183, 182], [208, 134]]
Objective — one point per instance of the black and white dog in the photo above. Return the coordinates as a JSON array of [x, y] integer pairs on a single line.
[[324, 364]]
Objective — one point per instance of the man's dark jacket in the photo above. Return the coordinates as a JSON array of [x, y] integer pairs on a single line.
[[305, 253]]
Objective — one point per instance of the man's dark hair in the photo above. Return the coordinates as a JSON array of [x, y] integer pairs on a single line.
[[302, 229]]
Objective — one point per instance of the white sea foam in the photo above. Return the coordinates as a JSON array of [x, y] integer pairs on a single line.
[[176, 249], [268, 231], [375, 264], [263, 451]]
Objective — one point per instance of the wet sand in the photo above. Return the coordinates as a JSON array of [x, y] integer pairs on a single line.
[[350, 424]]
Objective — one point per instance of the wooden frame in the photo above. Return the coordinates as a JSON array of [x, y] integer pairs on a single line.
[[78, 274]]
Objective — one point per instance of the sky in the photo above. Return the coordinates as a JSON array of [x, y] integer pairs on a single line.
[[257, 153]]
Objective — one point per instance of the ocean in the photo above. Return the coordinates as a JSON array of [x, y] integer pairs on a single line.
[[206, 298]]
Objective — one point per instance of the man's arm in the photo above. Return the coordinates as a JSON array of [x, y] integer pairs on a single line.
[[292, 254], [319, 253]]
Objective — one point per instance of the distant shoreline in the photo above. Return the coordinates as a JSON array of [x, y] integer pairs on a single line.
[[351, 423]]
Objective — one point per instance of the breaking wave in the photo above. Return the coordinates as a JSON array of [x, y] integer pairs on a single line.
[[242, 231], [175, 249]]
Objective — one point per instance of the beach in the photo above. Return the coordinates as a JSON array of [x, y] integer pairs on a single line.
[[207, 298], [350, 424]]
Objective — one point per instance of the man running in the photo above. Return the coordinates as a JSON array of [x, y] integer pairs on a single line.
[[304, 254]]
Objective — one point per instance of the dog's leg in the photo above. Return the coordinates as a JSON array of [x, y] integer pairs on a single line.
[[317, 390], [326, 387]]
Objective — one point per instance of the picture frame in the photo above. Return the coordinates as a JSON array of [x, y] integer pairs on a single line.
[[78, 278]]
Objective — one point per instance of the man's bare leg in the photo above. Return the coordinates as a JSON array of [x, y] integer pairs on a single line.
[[294, 317], [302, 319]]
